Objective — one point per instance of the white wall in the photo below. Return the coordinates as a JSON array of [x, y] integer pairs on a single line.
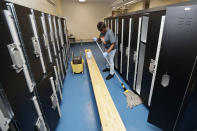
[[82, 18], [41, 5]]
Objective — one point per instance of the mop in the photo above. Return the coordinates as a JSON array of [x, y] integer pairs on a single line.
[[131, 97]]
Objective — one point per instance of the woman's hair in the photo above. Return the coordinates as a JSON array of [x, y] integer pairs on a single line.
[[101, 26]]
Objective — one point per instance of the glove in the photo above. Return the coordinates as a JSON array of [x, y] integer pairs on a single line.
[[95, 39], [105, 54]]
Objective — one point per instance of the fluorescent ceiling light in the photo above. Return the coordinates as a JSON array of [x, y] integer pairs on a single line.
[[82, 0]]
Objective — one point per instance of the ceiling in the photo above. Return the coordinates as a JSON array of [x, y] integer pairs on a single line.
[[95, 0]]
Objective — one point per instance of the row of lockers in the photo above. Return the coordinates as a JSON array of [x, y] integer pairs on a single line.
[[34, 53], [156, 56]]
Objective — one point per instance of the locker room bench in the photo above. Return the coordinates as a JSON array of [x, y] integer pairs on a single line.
[[109, 116]]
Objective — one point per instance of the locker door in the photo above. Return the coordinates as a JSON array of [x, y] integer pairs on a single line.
[[119, 42], [44, 46], [116, 36], [28, 40], [60, 45], [55, 41], [128, 48], [133, 49], [55, 48], [65, 40], [49, 101], [188, 116], [6, 114], [154, 25], [141, 48], [15, 77], [125, 46], [109, 24], [177, 56]]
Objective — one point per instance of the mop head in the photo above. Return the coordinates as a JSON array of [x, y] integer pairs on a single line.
[[132, 99]]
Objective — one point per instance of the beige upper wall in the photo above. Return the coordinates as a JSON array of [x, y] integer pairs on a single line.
[[82, 18], [153, 4], [42, 5]]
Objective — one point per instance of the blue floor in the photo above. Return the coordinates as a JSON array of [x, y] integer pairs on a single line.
[[79, 111]]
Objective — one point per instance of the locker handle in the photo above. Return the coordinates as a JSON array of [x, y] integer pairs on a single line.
[[165, 80], [152, 66], [16, 57], [36, 46]]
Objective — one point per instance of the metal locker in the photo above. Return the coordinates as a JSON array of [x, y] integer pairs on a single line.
[[46, 51], [15, 78], [52, 71], [49, 101], [62, 45], [55, 42], [125, 50], [188, 116], [65, 41], [7, 121], [58, 29], [119, 42], [147, 69], [28, 41], [133, 49], [54, 47], [176, 64], [116, 36], [141, 48]]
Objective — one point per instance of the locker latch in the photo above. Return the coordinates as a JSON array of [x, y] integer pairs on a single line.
[[135, 56], [40, 125], [53, 101], [165, 80], [36, 46], [16, 57], [152, 66], [127, 51]]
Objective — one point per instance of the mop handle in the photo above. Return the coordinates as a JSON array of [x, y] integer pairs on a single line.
[[108, 62]]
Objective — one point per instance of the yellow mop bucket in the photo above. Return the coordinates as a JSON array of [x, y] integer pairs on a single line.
[[77, 64]]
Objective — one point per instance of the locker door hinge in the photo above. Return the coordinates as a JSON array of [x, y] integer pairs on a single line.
[[16, 57]]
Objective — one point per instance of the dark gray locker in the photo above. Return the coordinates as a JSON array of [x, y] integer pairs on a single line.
[[116, 36], [133, 49], [119, 42], [28, 41], [154, 27], [64, 41], [46, 51], [54, 48], [125, 46], [6, 114], [47, 93], [175, 66], [15, 77], [60, 45]]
